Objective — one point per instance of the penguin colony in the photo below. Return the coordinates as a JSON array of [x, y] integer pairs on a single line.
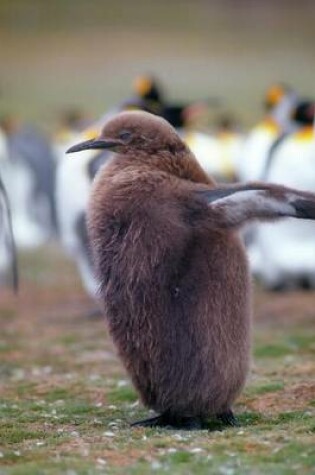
[[285, 254], [173, 274], [49, 193]]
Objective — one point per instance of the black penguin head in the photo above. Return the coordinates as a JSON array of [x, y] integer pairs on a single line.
[[148, 88], [304, 112]]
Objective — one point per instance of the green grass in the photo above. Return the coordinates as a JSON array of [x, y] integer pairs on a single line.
[[266, 388], [274, 351], [66, 402], [121, 395]]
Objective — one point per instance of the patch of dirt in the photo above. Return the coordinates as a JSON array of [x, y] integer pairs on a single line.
[[274, 308], [290, 399], [101, 449]]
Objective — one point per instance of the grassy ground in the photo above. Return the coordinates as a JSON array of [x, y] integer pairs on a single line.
[[66, 401]]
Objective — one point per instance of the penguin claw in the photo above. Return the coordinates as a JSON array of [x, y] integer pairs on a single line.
[[228, 418], [150, 422]]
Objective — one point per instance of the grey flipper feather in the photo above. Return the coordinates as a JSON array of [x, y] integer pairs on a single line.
[[238, 204]]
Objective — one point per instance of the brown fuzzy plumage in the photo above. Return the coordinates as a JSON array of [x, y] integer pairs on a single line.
[[173, 273]]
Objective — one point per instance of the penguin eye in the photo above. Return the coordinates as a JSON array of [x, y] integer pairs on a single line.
[[125, 135]]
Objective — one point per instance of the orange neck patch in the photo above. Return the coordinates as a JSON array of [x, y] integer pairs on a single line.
[[269, 125], [306, 134]]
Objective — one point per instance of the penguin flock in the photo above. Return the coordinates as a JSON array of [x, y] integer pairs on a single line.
[[28, 170], [281, 149], [48, 192]]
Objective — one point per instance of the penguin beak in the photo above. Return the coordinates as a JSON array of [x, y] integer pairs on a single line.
[[94, 144]]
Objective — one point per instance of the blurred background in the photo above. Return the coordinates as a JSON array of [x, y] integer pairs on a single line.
[[79, 53]]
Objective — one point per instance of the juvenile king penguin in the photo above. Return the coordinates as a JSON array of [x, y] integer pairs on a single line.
[[173, 274]]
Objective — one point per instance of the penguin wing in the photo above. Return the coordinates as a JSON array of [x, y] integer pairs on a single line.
[[7, 233], [234, 206]]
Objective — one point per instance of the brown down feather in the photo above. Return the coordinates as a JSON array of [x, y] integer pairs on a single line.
[[175, 290]]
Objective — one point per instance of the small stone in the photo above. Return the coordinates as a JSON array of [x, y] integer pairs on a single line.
[[180, 437], [171, 450], [196, 450], [109, 434], [133, 404], [94, 377], [97, 421]]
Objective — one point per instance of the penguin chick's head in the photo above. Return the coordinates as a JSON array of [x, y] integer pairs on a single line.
[[134, 132]]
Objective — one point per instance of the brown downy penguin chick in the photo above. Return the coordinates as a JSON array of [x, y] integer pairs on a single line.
[[173, 273]]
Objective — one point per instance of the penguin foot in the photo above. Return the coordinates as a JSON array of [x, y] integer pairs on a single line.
[[188, 423], [228, 418], [150, 422], [171, 422]]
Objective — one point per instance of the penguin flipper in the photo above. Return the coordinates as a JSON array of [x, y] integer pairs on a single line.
[[235, 205]]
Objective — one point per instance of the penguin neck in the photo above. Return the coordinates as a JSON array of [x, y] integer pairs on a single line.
[[181, 164]]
